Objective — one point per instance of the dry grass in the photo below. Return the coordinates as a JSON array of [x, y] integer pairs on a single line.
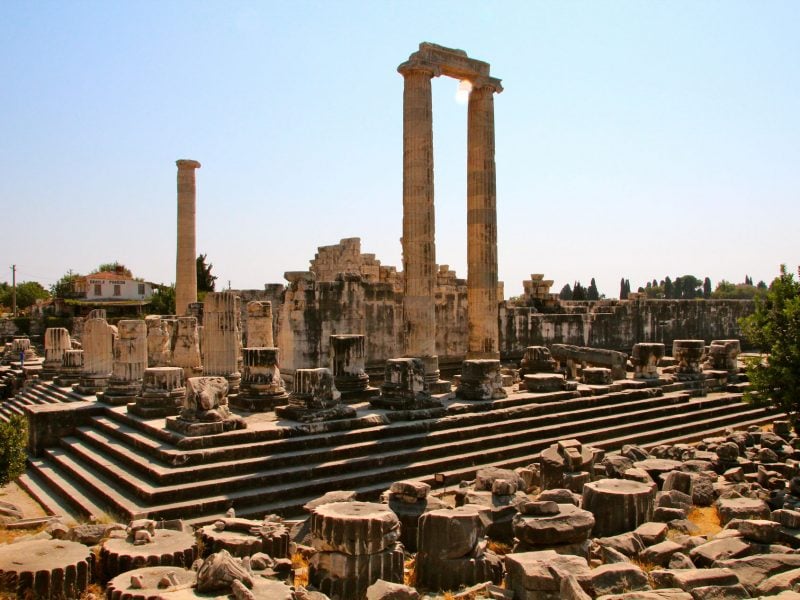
[[94, 591], [410, 572], [9, 535], [706, 518], [300, 566], [499, 548]]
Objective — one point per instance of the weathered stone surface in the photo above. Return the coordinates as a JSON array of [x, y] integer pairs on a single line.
[[485, 478], [530, 574], [205, 408], [481, 380], [354, 528], [148, 582], [262, 388], [536, 359], [571, 525], [645, 357], [742, 508], [662, 594], [618, 578], [167, 548], [688, 355], [219, 571], [453, 573], [779, 582], [651, 532], [618, 505], [660, 553], [452, 533], [542, 383], [186, 264], [349, 576], [245, 537], [690, 579], [752, 570], [45, 569], [386, 590], [627, 543]]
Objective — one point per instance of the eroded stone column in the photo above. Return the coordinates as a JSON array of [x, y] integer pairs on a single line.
[[186, 349], [186, 264], [482, 310], [419, 248], [262, 387], [56, 342], [222, 338], [315, 398], [159, 342], [259, 325], [98, 357], [130, 361], [163, 390], [71, 368], [347, 360]]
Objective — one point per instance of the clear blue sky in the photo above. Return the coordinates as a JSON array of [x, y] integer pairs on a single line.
[[637, 139]]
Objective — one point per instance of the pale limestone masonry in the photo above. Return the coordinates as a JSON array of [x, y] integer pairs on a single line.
[[186, 263], [159, 341], [222, 337], [186, 349], [98, 357], [259, 325], [71, 368], [163, 390], [130, 361], [56, 342], [346, 258]]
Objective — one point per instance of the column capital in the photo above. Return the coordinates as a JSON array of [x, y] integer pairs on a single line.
[[492, 83], [185, 163], [415, 66]]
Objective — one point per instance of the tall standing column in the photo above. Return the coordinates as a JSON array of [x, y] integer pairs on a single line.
[[186, 265], [419, 249], [482, 298]]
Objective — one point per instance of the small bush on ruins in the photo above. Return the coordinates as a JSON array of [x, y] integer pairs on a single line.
[[774, 328], [13, 438]]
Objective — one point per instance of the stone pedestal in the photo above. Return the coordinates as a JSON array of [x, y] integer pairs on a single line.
[[566, 528], [130, 361], [262, 388], [245, 537], [259, 324], [186, 262], [566, 464], [56, 342], [481, 380], [356, 545], [186, 350], [537, 359], [222, 337], [45, 569], [723, 354], [166, 547], [347, 359], [404, 386], [22, 349], [98, 357], [596, 376], [315, 398], [688, 355], [71, 368], [645, 357], [540, 383], [159, 342], [205, 409], [162, 394]]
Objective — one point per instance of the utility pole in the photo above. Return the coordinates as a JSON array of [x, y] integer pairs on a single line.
[[14, 290]]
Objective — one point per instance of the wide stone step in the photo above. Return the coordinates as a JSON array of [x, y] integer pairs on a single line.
[[50, 498], [470, 450], [137, 434]]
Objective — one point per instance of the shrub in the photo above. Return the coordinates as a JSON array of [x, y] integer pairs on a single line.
[[13, 440]]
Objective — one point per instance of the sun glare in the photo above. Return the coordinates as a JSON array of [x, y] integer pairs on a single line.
[[462, 93]]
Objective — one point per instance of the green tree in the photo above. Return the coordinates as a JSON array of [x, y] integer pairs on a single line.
[[565, 293], [578, 291], [669, 291], [624, 289], [706, 288], [13, 439], [592, 293], [27, 294], [774, 328], [163, 300], [65, 287], [205, 280]]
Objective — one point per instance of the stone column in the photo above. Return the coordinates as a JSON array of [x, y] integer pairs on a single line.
[[56, 342], [262, 386], [163, 390], [159, 346], [186, 349], [71, 368], [259, 325], [482, 311], [419, 248], [315, 398], [222, 338], [130, 361], [98, 358], [347, 360], [186, 265]]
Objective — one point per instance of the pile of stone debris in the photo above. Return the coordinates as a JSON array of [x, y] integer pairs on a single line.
[[717, 519]]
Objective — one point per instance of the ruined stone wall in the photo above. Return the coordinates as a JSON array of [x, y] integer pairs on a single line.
[[619, 324]]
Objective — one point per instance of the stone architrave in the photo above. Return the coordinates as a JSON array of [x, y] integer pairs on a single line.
[[130, 361], [71, 368], [98, 356], [222, 337], [205, 409], [56, 342], [159, 342], [645, 357], [163, 390], [186, 262], [315, 398], [347, 362], [186, 346], [259, 325], [262, 387]]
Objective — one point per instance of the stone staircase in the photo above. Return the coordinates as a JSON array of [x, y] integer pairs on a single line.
[[36, 392], [128, 467]]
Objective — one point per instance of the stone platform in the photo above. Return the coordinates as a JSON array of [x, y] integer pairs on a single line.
[[114, 462]]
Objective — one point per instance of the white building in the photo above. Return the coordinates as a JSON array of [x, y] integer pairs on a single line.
[[108, 286]]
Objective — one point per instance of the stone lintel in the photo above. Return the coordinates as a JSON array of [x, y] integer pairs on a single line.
[[186, 163], [439, 60]]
